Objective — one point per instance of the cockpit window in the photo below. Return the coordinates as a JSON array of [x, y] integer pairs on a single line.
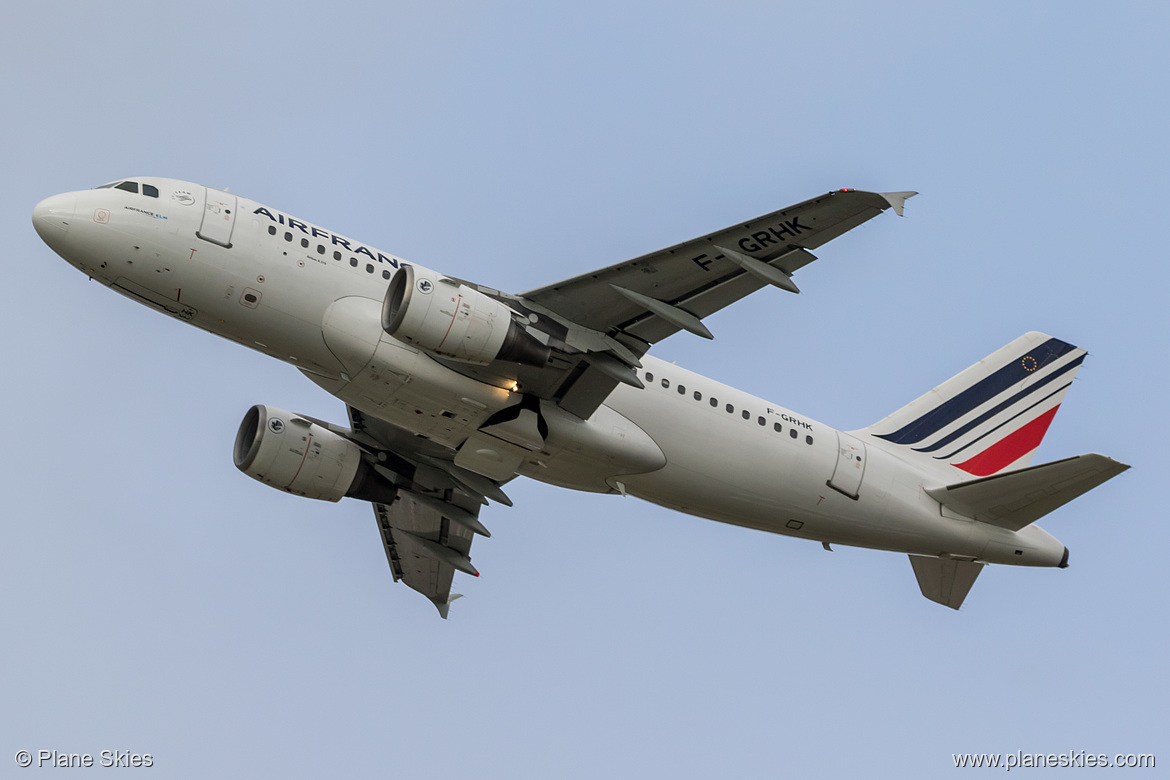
[[149, 190]]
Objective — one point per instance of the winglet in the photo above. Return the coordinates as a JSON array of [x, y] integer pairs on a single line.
[[443, 606], [897, 199]]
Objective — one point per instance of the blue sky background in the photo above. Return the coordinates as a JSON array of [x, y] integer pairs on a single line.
[[156, 600]]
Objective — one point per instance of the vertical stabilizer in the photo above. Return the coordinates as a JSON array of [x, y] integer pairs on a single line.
[[992, 416], [945, 581]]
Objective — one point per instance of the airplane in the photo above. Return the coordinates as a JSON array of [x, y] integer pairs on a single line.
[[454, 388]]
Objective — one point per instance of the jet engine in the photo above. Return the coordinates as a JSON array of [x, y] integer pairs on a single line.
[[298, 456], [453, 320]]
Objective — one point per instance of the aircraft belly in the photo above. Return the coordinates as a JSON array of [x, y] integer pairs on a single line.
[[406, 388], [595, 455], [729, 470], [815, 515]]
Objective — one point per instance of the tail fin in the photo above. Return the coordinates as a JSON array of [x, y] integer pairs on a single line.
[[991, 417]]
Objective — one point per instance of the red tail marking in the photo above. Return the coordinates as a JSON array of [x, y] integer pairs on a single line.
[[1010, 448]]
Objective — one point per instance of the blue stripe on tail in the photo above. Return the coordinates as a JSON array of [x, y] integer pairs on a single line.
[[950, 437], [979, 393]]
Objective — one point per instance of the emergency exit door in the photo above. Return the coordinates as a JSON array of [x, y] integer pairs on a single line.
[[850, 466]]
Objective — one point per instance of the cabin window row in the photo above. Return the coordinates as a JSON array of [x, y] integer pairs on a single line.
[[353, 261], [730, 408]]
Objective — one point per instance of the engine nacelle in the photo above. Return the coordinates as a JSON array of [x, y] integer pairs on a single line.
[[453, 320], [290, 453]]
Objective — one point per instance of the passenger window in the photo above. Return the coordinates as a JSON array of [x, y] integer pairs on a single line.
[[353, 261], [149, 190], [761, 421], [272, 230], [698, 396], [128, 186], [730, 409], [385, 274], [320, 249], [808, 440], [715, 402], [747, 415], [649, 377], [369, 268], [304, 243], [337, 255], [682, 390], [288, 236], [792, 432], [665, 382], [776, 427]]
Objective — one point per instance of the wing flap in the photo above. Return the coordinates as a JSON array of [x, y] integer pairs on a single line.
[[428, 528], [1016, 499], [422, 546]]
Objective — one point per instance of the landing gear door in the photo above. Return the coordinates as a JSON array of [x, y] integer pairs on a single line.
[[850, 466], [219, 218]]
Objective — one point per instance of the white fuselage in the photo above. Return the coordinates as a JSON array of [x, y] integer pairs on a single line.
[[312, 298]]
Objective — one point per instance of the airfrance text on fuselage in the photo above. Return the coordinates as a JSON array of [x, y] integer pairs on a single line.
[[316, 232]]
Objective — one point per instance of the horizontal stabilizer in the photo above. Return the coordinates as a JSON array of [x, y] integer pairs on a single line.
[[945, 581], [1015, 499]]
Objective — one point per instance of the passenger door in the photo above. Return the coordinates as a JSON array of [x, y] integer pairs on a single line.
[[219, 217]]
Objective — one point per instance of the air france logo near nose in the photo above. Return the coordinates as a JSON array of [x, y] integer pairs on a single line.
[[425, 286], [275, 425]]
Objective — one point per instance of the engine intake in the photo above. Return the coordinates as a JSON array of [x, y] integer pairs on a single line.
[[453, 320], [298, 456]]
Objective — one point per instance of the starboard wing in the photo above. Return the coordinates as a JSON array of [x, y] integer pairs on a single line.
[[703, 275], [620, 310]]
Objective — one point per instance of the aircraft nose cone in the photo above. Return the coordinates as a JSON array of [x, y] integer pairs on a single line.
[[52, 216]]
